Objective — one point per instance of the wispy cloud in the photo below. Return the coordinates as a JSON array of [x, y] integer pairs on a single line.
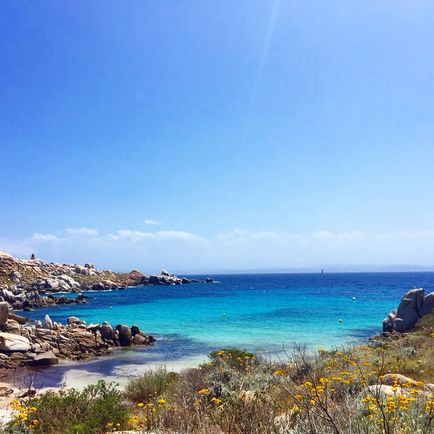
[[129, 235], [152, 222], [137, 236], [234, 249], [340, 236], [45, 238], [180, 235], [82, 232], [239, 234]]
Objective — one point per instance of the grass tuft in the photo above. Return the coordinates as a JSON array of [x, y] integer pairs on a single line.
[[152, 384]]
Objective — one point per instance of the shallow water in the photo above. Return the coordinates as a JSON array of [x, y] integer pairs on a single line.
[[266, 313]]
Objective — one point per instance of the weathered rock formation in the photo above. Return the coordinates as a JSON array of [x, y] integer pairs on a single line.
[[413, 306], [387, 386], [26, 284], [26, 343]]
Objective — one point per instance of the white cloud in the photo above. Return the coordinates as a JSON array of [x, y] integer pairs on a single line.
[[340, 236], [152, 222], [260, 235], [179, 235], [129, 235], [82, 232], [45, 238], [136, 236], [408, 235], [236, 249]]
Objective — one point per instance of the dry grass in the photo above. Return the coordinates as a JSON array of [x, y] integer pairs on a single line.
[[412, 354], [329, 392]]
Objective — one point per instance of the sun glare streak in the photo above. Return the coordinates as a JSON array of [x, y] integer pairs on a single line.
[[263, 60]]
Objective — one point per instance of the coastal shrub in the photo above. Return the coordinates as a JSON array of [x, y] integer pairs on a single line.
[[347, 392], [241, 415], [330, 392], [341, 391], [234, 357], [71, 411], [410, 354], [152, 384]]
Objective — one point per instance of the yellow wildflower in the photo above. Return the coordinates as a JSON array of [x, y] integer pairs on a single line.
[[203, 391], [295, 409]]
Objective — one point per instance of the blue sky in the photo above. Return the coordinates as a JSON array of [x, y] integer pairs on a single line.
[[212, 135]]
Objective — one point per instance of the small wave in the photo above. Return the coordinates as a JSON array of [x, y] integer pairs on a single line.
[[100, 290]]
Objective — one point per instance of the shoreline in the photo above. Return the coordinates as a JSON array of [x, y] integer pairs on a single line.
[[77, 374], [121, 365], [124, 363], [217, 326]]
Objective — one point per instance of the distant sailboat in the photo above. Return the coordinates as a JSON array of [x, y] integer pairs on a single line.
[[322, 271]]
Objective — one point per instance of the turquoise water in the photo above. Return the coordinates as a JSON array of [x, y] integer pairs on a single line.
[[257, 312], [263, 313]]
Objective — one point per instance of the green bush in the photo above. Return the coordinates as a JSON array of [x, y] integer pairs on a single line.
[[234, 357], [71, 411], [426, 323], [150, 385]]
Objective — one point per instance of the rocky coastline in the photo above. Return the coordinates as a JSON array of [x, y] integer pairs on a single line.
[[37, 343], [29, 284], [414, 305]]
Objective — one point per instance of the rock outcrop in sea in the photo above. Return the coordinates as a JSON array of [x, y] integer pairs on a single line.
[[26, 284], [414, 305], [43, 343]]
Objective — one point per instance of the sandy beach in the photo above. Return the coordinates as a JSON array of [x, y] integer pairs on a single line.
[[79, 374]]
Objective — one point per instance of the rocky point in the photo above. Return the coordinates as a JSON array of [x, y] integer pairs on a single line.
[[414, 305], [26, 284]]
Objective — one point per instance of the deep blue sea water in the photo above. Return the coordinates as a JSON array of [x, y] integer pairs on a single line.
[[263, 312]]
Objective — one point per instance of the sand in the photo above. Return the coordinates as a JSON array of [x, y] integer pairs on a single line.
[[68, 374]]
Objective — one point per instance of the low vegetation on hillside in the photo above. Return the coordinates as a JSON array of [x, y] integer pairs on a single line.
[[361, 389]]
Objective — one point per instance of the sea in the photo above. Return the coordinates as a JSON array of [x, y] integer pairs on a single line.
[[268, 314]]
